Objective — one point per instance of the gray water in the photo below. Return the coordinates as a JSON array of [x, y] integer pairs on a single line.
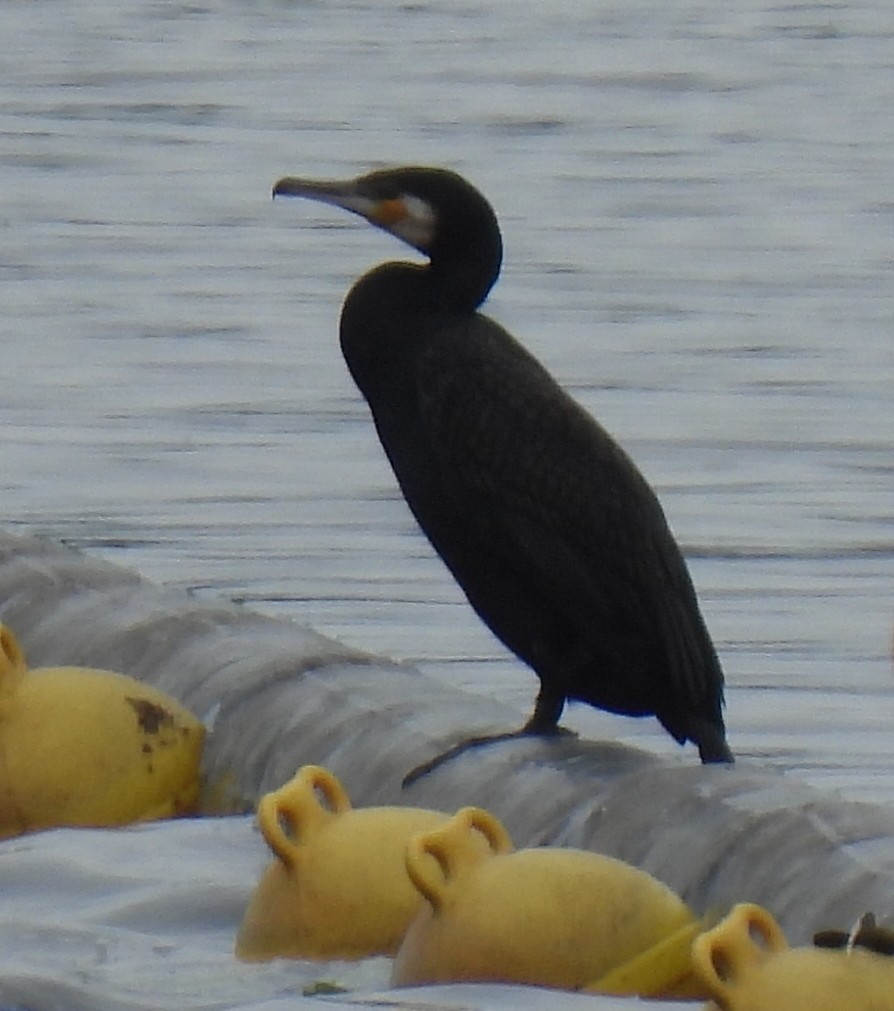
[[696, 201], [697, 210]]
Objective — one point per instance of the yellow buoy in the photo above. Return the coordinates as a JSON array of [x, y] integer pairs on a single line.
[[663, 972], [338, 887], [549, 917], [90, 748], [747, 965]]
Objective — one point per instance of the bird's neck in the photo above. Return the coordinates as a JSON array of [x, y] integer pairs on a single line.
[[463, 284], [439, 286], [387, 318]]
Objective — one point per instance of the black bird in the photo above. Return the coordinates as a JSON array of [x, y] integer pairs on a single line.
[[553, 534]]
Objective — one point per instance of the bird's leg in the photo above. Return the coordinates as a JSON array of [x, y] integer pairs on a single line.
[[547, 712], [544, 722]]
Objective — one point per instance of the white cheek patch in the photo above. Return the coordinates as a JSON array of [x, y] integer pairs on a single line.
[[417, 226]]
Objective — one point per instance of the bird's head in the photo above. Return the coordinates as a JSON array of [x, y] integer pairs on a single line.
[[433, 210]]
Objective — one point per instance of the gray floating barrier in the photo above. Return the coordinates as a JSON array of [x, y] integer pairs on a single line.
[[278, 695]]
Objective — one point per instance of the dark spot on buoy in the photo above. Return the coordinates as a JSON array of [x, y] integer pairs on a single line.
[[866, 934], [147, 749], [150, 716], [830, 939], [877, 939]]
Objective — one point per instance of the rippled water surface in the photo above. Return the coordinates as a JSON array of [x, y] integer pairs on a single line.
[[696, 201]]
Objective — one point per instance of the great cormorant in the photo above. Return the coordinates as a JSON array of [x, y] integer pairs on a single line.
[[553, 534]]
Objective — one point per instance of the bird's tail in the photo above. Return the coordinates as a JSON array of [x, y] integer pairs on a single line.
[[712, 746]]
